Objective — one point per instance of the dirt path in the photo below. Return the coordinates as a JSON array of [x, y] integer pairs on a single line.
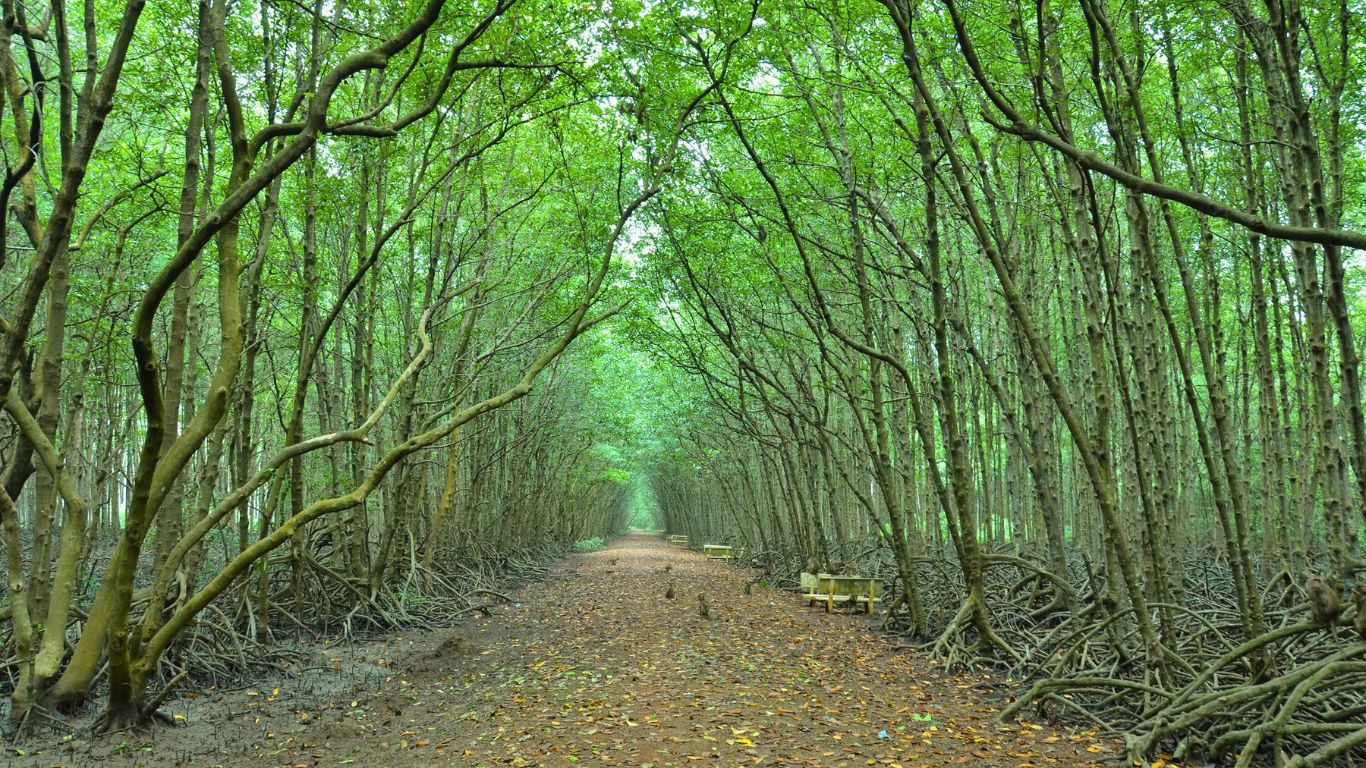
[[597, 668]]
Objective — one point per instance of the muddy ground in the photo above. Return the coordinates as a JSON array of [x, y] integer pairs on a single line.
[[598, 668]]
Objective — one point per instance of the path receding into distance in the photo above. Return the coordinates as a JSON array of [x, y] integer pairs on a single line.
[[596, 667]]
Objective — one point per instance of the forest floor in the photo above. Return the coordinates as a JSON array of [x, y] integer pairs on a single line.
[[597, 668]]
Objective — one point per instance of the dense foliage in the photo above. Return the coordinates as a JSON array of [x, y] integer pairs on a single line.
[[1047, 313]]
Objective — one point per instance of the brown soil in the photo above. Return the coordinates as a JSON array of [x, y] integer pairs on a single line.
[[597, 668]]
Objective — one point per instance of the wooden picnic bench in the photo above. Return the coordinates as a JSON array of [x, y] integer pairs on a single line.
[[679, 539], [717, 551], [832, 589]]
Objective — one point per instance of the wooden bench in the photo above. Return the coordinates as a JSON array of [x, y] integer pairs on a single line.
[[832, 589], [717, 551], [679, 539]]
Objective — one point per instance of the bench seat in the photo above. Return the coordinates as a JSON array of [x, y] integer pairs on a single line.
[[862, 590], [717, 551]]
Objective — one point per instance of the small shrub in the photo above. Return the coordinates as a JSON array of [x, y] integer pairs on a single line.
[[588, 545]]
